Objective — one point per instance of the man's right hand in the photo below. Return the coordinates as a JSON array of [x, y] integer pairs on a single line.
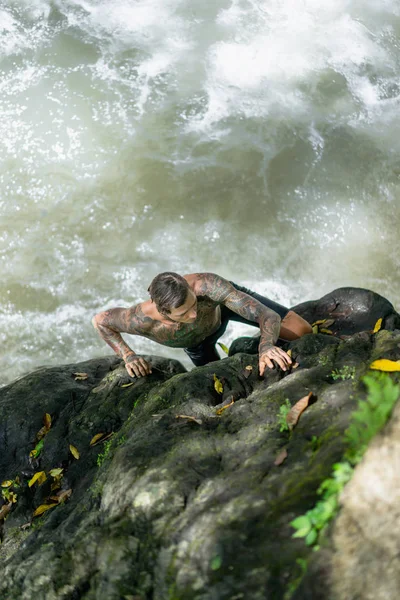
[[137, 366]]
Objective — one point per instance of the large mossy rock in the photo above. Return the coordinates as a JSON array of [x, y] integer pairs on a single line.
[[183, 502]]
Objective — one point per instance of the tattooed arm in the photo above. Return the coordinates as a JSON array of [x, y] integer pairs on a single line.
[[219, 289], [110, 323]]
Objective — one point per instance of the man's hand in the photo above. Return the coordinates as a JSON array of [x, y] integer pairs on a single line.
[[137, 366], [278, 355]]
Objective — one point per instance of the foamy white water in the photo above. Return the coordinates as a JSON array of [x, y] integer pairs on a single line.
[[255, 139]]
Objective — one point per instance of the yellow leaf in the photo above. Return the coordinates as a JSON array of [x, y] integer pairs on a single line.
[[384, 364], [40, 477], [315, 329], [378, 325], [7, 483], [327, 331], [42, 508], [218, 385], [96, 438], [320, 322], [56, 472], [223, 347], [289, 352], [128, 384], [47, 420], [221, 410], [56, 483], [13, 497], [74, 452]]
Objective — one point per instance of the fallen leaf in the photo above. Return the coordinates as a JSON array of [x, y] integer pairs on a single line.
[[47, 420], [326, 331], [295, 365], [294, 414], [81, 376], [96, 438], [329, 322], [199, 421], [221, 410], [4, 510], [40, 477], [74, 451], [289, 352], [42, 432], [218, 385], [7, 483], [384, 364], [56, 483], [127, 384], [247, 371], [281, 457], [315, 329], [223, 347], [319, 322], [37, 450], [42, 508], [26, 525], [56, 472], [12, 497], [62, 496], [378, 325]]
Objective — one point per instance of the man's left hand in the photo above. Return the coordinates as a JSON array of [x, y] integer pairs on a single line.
[[281, 358]]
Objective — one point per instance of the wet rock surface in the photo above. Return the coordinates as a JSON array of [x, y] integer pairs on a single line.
[[184, 501]]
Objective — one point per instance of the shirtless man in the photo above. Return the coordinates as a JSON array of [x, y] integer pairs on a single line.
[[192, 312]]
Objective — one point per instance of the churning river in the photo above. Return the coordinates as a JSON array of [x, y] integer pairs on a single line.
[[258, 139]]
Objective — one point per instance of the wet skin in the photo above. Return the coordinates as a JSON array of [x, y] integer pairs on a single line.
[[189, 324]]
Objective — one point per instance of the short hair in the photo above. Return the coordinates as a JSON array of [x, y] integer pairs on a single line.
[[168, 290]]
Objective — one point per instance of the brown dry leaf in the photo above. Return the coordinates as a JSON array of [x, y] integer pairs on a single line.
[[47, 420], [26, 525], [218, 385], [4, 510], [40, 477], [96, 438], [56, 483], [295, 365], [62, 496], [221, 410], [41, 433], [74, 451], [329, 322], [80, 376], [199, 421], [294, 414], [42, 508], [378, 325], [7, 483], [127, 384], [384, 364], [327, 331], [281, 457]]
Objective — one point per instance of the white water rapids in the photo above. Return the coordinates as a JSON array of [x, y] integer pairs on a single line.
[[258, 139]]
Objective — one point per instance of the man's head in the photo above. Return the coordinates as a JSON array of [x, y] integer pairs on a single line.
[[173, 297]]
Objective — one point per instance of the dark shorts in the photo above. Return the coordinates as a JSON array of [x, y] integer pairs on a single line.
[[206, 351]]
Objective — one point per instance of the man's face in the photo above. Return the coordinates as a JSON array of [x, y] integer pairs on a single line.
[[187, 312]]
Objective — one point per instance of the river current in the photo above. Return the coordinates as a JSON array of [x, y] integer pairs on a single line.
[[258, 139]]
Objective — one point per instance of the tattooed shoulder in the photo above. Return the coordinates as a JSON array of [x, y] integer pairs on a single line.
[[213, 286], [137, 321]]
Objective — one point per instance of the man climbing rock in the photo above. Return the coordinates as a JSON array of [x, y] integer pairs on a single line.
[[192, 312]]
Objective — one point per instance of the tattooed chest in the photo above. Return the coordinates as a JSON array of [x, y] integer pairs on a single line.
[[186, 335]]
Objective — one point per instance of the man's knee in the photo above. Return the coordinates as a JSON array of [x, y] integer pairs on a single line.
[[293, 326]]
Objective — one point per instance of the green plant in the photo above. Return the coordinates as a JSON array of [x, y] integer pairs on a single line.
[[370, 416], [281, 416], [314, 443], [103, 455], [294, 584], [345, 372], [323, 360]]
